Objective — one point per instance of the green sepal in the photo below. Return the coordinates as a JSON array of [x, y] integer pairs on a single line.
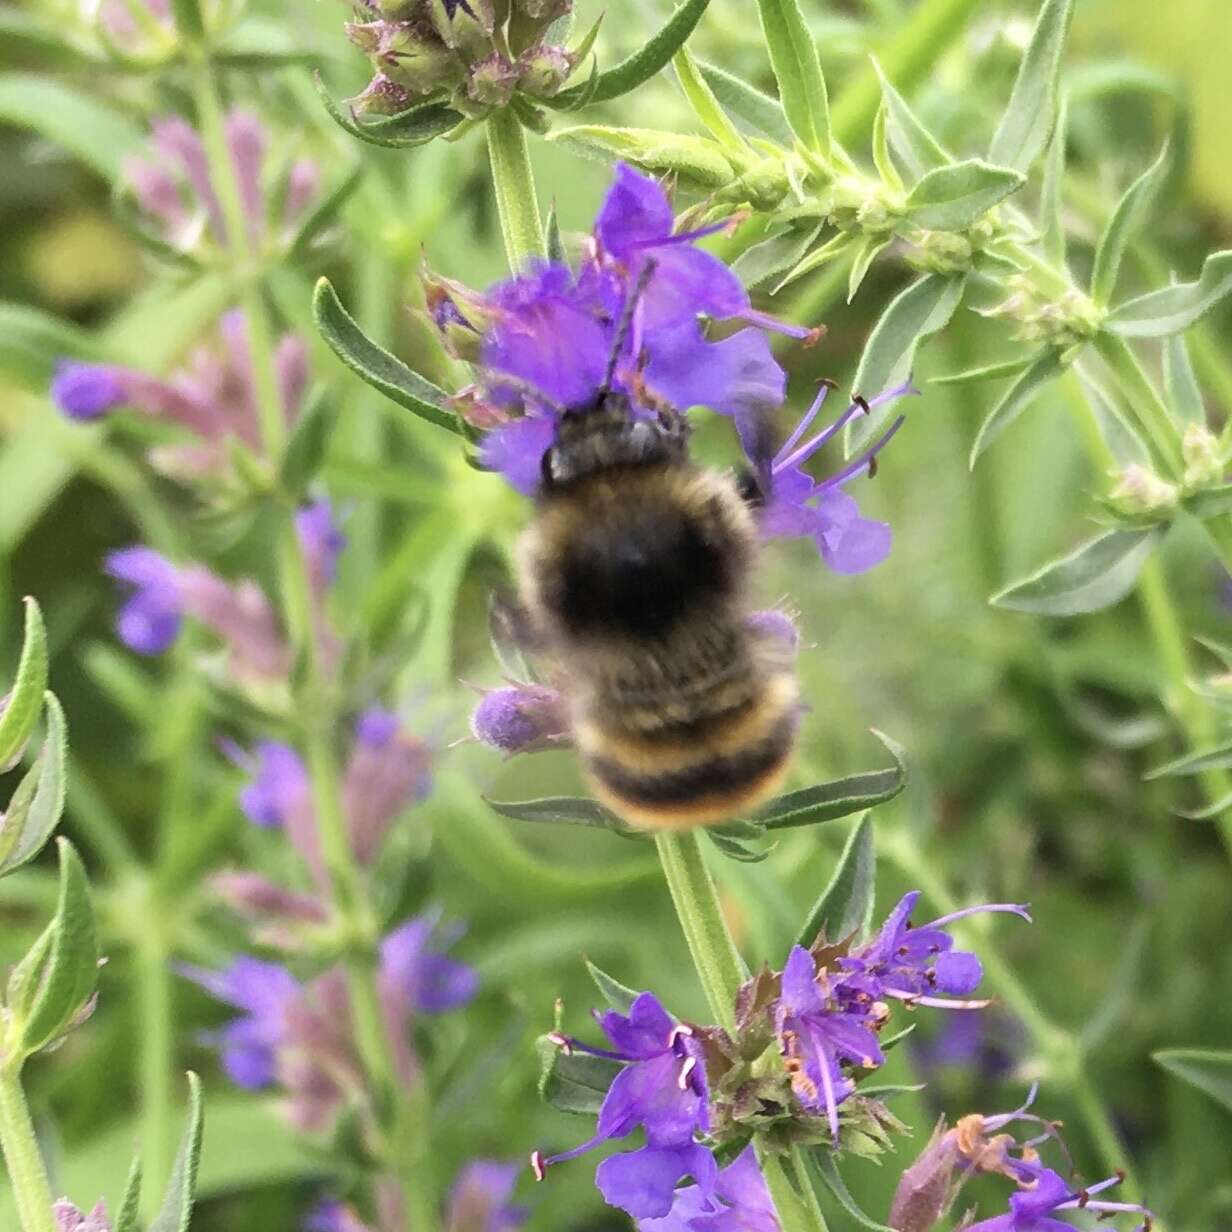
[[38, 802], [845, 907], [415, 126], [175, 1213], [840, 798], [21, 708], [375, 365], [573, 1082]]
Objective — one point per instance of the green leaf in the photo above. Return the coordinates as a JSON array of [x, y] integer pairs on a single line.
[[1174, 309], [188, 21], [1180, 383], [324, 212], [126, 1219], [1128, 216], [881, 152], [38, 802], [914, 314], [374, 364], [867, 252], [988, 372], [32, 341], [613, 991], [846, 904], [759, 113], [952, 198], [696, 161], [1209, 812], [837, 245], [92, 132], [918, 149], [70, 972], [1219, 758], [774, 255], [1028, 120], [1211, 502], [305, 451], [561, 811], [1046, 366], [1052, 203], [824, 1167], [797, 69], [19, 710], [572, 1082], [552, 237], [737, 848], [175, 1214], [415, 126], [644, 63], [1208, 1069], [840, 798], [1095, 576], [705, 106]]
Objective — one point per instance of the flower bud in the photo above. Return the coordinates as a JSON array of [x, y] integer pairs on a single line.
[[70, 1219], [544, 69], [87, 391], [522, 718], [1140, 491], [1203, 461], [545, 11], [464, 26], [412, 56], [491, 81], [382, 96]]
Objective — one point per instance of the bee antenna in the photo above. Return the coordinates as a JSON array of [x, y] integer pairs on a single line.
[[625, 324]]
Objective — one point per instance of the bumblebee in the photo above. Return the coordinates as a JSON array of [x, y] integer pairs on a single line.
[[634, 579]]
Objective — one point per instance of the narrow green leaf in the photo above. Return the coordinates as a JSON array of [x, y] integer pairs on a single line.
[[324, 212], [797, 69], [823, 1166], [845, 906], [695, 161], [19, 709], [33, 341], [1045, 367], [1210, 812], [71, 969], [1095, 576], [914, 315], [561, 811], [616, 994], [552, 237], [188, 21], [644, 63], [38, 803], [1028, 120], [760, 114], [1219, 758], [951, 198], [1209, 503], [92, 132], [868, 251], [840, 798], [415, 126], [305, 451], [572, 1082], [738, 849], [774, 255], [881, 152], [1052, 205], [175, 1214], [919, 150], [988, 372], [836, 246], [1171, 310], [1208, 1069], [1130, 213], [1181, 384], [126, 1219], [374, 364], [705, 106]]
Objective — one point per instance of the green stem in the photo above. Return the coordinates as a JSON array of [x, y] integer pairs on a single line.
[[514, 184], [721, 971], [1143, 401], [27, 1173], [156, 1048]]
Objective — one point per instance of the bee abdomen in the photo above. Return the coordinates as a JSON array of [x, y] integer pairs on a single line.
[[696, 774]]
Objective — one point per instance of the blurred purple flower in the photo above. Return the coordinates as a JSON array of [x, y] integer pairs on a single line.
[[331, 1215], [521, 718], [416, 976], [70, 1219], [479, 1200], [264, 993], [153, 612], [661, 1088], [322, 539], [740, 1202], [86, 391], [280, 785]]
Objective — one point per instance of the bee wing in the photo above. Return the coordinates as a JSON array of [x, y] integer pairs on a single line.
[[515, 637]]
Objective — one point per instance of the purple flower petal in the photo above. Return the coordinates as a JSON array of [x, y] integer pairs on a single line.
[[635, 210], [849, 543], [516, 450], [737, 376], [643, 1182], [149, 620], [87, 391], [958, 973]]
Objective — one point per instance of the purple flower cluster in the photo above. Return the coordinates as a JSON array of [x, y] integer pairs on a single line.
[[825, 1019], [213, 398], [629, 321], [70, 1219]]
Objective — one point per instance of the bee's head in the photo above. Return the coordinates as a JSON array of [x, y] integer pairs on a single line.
[[607, 435]]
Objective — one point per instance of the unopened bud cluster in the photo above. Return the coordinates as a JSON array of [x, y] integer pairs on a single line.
[[1067, 321], [460, 51]]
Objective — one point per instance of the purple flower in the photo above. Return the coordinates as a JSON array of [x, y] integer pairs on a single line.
[[1043, 1193], [322, 540], [151, 615], [521, 718], [330, 1215], [264, 992], [280, 785], [70, 1219], [661, 1088], [241, 617], [823, 510], [740, 1202], [633, 307], [479, 1200], [817, 1035], [86, 391], [417, 976]]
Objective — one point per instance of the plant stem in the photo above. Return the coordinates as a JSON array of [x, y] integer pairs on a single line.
[[154, 1003], [514, 184], [27, 1173], [721, 971], [1142, 399]]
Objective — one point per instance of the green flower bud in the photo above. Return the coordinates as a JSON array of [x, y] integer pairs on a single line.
[[1203, 460], [382, 97], [544, 69], [410, 54], [491, 81], [465, 26], [1140, 491]]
